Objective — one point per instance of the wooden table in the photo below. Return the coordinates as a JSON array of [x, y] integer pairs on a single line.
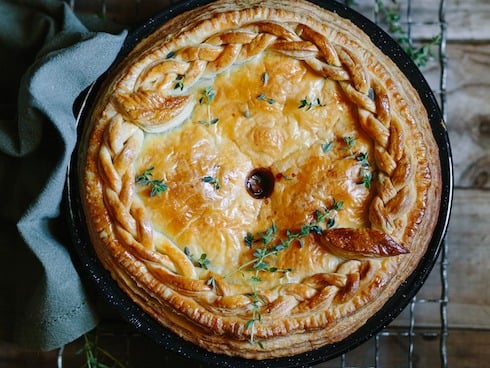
[[467, 108]]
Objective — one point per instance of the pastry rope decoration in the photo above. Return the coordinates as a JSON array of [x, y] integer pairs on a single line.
[[155, 87]]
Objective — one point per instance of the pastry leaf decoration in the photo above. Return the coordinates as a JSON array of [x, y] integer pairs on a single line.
[[360, 243]]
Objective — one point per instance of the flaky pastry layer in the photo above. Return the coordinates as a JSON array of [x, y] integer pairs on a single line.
[[259, 177]]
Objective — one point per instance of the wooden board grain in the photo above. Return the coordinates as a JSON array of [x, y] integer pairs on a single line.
[[469, 255], [466, 349], [468, 96]]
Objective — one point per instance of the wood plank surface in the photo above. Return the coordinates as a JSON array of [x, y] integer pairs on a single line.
[[469, 113], [466, 349]]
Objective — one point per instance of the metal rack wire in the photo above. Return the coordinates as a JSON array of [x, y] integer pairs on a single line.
[[405, 335]]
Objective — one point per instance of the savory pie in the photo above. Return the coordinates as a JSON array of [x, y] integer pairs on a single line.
[[259, 177]]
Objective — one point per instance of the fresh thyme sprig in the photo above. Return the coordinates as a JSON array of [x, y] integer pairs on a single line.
[[350, 142], [257, 303], [208, 95], [270, 243], [327, 147], [201, 262], [213, 181], [179, 82], [265, 78], [362, 158], [95, 356], [391, 15], [263, 97], [157, 186], [308, 104], [366, 173]]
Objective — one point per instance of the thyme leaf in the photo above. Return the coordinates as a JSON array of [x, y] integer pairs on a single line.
[[271, 242], [157, 186], [263, 97], [366, 173], [327, 147], [265, 78], [96, 356], [350, 142], [201, 262], [209, 122], [308, 104], [179, 82], [213, 181], [208, 95]]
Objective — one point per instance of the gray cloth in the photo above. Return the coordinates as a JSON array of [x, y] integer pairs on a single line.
[[47, 58]]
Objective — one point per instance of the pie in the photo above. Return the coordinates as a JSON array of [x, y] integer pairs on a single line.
[[259, 177]]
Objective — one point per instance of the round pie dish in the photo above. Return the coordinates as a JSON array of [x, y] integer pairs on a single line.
[[260, 183]]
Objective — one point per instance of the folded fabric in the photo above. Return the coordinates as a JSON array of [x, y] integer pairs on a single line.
[[47, 58]]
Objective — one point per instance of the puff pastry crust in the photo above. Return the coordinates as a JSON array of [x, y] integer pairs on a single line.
[[259, 177]]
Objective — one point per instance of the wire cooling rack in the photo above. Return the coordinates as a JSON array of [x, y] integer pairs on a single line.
[[418, 337]]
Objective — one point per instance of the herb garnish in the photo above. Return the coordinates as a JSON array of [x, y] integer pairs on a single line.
[[327, 147], [420, 55], [271, 242], [207, 98], [208, 95], [213, 181], [96, 356], [366, 173], [350, 142], [263, 97], [202, 261], [265, 78], [209, 122], [157, 186], [257, 301], [306, 102], [179, 82]]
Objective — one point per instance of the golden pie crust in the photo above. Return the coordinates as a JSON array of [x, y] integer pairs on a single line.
[[344, 152]]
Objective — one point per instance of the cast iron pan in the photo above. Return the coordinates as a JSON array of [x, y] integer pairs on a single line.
[[110, 292]]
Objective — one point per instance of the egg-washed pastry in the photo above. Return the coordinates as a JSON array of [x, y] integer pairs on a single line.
[[259, 177]]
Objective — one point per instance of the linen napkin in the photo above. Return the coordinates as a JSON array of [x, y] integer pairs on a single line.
[[48, 56]]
